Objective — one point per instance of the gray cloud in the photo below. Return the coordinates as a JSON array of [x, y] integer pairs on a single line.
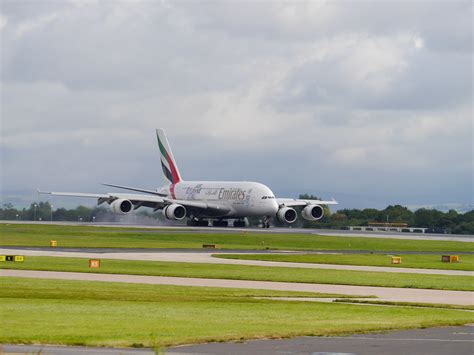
[[365, 98]]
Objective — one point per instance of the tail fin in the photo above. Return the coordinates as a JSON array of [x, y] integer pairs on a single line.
[[170, 169]]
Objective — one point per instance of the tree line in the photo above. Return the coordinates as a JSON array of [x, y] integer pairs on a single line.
[[436, 221]]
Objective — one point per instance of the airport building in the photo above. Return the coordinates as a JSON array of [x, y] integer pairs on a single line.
[[387, 227]]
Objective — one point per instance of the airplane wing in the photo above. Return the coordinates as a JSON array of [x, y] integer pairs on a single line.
[[294, 202], [139, 200], [135, 189]]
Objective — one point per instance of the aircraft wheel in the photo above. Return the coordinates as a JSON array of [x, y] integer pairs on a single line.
[[191, 222], [238, 223], [220, 223], [203, 223]]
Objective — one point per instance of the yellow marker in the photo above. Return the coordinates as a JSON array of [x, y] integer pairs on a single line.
[[53, 243], [3, 258], [19, 258], [396, 260], [94, 263]]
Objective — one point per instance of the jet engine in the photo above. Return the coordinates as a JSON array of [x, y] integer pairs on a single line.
[[122, 206], [174, 211], [286, 214], [312, 212]]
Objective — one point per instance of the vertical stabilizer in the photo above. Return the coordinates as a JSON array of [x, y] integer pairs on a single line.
[[168, 164]]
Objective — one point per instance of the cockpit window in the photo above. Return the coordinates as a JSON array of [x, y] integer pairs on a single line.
[[267, 197]]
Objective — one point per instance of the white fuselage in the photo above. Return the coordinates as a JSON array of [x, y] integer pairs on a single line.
[[243, 199]]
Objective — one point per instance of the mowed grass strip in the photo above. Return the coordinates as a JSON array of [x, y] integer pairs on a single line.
[[404, 304], [421, 261], [102, 237], [244, 272], [111, 314]]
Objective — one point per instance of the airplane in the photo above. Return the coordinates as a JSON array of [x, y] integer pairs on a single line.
[[204, 201]]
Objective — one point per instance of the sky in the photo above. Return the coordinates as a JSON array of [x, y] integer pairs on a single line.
[[367, 102]]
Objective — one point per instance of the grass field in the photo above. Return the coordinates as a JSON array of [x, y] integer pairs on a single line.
[[411, 304], [101, 237], [111, 314], [422, 261], [244, 272]]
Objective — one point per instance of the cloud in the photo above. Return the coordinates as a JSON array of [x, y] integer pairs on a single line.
[[331, 96]]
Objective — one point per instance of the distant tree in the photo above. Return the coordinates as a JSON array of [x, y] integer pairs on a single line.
[[308, 197], [397, 214], [464, 228], [428, 218], [8, 212]]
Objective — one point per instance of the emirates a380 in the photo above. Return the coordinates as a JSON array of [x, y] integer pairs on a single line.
[[204, 202]]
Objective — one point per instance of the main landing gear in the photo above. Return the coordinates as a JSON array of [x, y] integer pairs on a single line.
[[266, 222], [220, 223], [240, 223], [198, 222], [195, 222]]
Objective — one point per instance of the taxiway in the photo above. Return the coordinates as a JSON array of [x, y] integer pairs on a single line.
[[389, 294]]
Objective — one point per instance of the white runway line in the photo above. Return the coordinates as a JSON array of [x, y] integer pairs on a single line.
[[208, 259], [383, 293]]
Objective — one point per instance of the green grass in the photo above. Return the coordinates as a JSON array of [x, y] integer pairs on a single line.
[[422, 261], [404, 304], [111, 314], [101, 237], [244, 272]]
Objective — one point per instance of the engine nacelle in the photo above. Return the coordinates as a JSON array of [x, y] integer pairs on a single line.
[[287, 214], [122, 206], [313, 212], [174, 211]]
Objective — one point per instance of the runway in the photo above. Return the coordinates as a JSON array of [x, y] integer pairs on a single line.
[[326, 232], [383, 293], [206, 258]]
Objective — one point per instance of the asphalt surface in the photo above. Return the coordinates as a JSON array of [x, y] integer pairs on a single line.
[[228, 251], [434, 341], [70, 350], [330, 232], [389, 294], [207, 258]]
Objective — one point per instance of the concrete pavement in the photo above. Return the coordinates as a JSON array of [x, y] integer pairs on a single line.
[[390, 294], [206, 258]]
